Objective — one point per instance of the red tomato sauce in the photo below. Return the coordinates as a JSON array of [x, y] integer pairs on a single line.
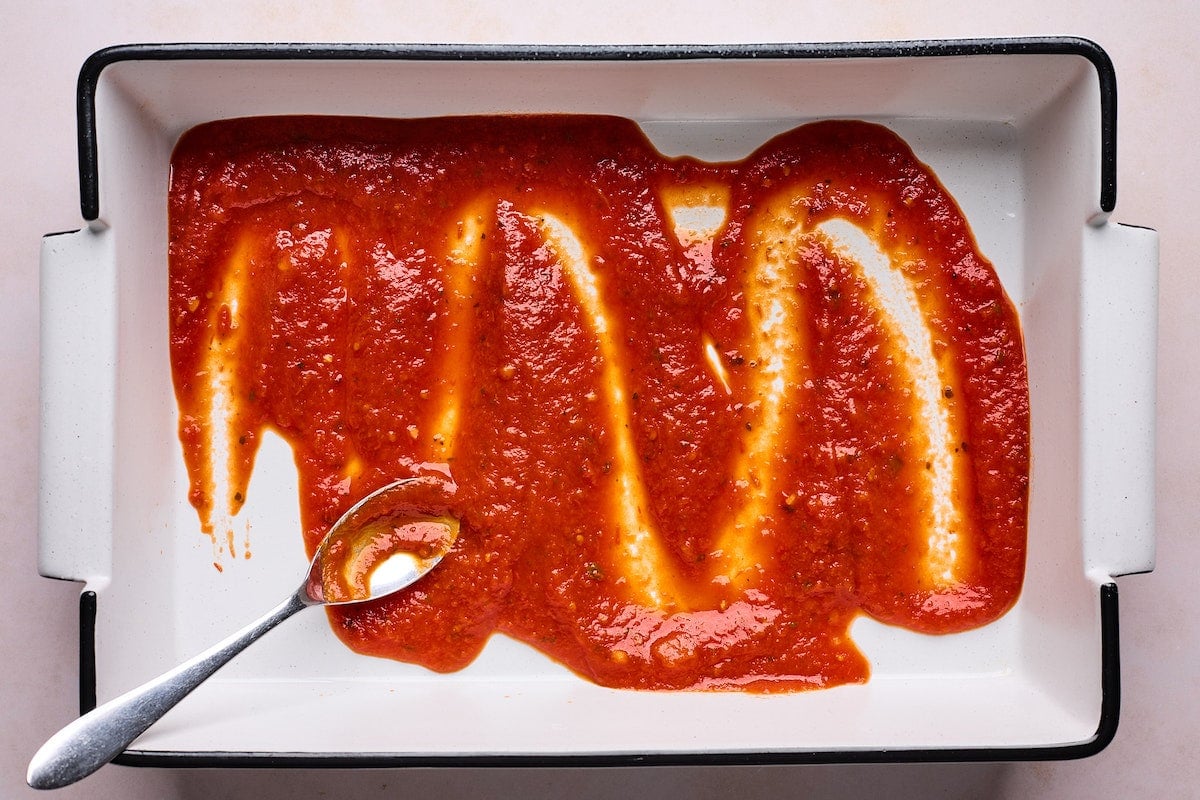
[[684, 458]]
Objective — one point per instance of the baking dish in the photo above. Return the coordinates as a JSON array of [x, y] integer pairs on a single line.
[[1022, 133]]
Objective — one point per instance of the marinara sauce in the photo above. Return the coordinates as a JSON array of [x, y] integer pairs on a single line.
[[690, 429]]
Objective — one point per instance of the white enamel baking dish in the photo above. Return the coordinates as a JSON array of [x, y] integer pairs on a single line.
[[1022, 133]]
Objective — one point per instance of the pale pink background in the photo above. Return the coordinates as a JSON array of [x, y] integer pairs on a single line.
[[1154, 47]]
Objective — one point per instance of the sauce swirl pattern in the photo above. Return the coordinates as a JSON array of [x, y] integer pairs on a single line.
[[700, 415]]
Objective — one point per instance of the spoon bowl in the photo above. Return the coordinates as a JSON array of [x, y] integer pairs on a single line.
[[384, 543]]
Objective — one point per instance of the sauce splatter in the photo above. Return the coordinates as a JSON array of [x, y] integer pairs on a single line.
[[700, 416]]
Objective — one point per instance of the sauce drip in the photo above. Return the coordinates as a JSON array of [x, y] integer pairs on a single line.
[[700, 416]]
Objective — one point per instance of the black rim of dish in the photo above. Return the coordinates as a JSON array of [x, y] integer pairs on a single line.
[[89, 74], [1106, 729]]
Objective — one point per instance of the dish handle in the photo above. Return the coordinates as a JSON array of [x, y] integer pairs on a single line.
[[1118, 345], [78, 404]]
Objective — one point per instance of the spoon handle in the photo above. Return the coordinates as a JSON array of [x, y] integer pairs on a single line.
[[102, 734]]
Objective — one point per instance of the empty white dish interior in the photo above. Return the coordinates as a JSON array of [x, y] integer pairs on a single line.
[[1015, 139]]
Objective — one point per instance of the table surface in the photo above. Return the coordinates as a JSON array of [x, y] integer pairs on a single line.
[[1152, 45]]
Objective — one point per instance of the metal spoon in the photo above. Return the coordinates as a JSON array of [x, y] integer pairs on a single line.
[[378, 547]]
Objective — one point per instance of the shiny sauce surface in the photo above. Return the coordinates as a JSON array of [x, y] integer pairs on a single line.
[[700, 416]]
